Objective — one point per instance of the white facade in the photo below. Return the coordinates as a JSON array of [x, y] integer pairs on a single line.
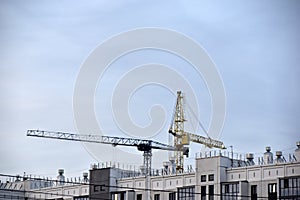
[[66, 192], [28, 188], [219, 177], [216, 176]]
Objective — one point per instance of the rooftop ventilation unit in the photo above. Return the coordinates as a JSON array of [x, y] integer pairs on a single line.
[[250, 158], [268, 156], [297, 151], [61, 177], [85, 177], [279, 158]]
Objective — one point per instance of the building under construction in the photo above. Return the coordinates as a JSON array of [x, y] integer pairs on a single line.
[[217, 176]]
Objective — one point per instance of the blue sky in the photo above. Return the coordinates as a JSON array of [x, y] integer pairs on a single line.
[[254, 44]]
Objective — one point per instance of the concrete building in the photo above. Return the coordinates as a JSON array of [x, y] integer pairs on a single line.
[[217, 176], [28, 188]]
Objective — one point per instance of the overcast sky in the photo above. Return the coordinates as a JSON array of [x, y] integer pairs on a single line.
[[254, 44]]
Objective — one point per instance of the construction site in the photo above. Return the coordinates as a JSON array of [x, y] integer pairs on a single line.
[[218, 173]]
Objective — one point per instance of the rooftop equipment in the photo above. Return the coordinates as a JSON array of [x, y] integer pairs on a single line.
[[268, 156], [297, 151], [250, 158]]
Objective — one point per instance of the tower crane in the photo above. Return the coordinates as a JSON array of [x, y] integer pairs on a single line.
[[183, 138], [142, 145]]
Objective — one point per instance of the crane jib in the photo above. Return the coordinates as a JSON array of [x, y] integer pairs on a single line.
[[143, 145]]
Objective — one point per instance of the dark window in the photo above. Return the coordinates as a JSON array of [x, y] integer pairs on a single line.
[[81, 198], [139, 197], [203, 192], [156, 197], [229, 191], [118, 196], [286, 183], [122, 196], [97, 188], [272, 191], [211, 192], [226, 190], [289, 188], [172, 196], [203, 178], [186, 193], [253, 192], [211, 177]]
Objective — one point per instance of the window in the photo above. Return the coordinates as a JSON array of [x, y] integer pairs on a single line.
[[186, 193], [203, 192], [156, 197], [118, 196], [286, 183], [139, 197], [203, 178], [253, 192], [122, 196], [229, 191], [289, 188], [226, 188], [81, 198], [97, 188], [172, 196], [211, 192], [211, 177], [272, 191]]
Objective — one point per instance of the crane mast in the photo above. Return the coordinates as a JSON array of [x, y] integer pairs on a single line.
[[182, 138], [177, 130]]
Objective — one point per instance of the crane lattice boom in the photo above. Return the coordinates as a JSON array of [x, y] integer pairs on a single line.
[[209, 142], [101, 139], [142, 145]]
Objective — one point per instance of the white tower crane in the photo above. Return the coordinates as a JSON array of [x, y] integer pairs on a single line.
[[142, 145]]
